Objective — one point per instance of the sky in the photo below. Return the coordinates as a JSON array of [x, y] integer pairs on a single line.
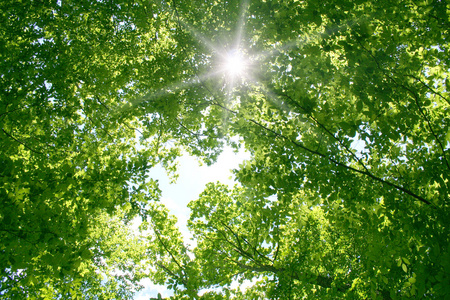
[[190, 183], [193, 177]]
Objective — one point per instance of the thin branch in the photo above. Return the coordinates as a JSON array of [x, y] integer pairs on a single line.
[[428, 87], [170, 253], [168, 270], [358, 160], [247, 242], [416, 98], [276, 253], [332, 160], [238, 248], [11, 111], [297, 144], [109, 110], [22, 143], [22, 238], [37, 104], [197, 135], [256, 250]]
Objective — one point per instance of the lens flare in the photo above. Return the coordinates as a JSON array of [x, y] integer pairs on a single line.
[[235, 63]]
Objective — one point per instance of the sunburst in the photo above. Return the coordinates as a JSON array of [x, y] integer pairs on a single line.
[[228, 64], [234, 63]]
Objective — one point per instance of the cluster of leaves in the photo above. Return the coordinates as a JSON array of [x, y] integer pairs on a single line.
[[345, 114], [70, 163], [347, 191]]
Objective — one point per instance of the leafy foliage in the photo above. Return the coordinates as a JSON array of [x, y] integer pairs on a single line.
[[344, 109]]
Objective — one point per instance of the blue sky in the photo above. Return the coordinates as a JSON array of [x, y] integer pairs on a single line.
[[190, 183]]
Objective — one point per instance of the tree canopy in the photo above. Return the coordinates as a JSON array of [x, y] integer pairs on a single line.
[[343, 105]]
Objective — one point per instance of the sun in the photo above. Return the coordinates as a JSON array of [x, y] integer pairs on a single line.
[[234, 64]]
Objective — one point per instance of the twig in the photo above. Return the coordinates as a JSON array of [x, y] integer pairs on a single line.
[[22, 143]]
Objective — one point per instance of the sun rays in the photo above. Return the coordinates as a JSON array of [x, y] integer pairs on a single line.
[[227, 63]]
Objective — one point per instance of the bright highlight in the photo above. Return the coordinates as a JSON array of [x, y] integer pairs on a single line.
[[234, 63]]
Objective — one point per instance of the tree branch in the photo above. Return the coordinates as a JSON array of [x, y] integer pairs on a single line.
[[170, 253], [247, 242], [332, 160], [428, 87], [416, 99], [328, 132], [22, 143]]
